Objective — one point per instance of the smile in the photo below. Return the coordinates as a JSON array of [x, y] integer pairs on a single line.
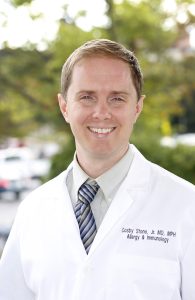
[[101, 130]]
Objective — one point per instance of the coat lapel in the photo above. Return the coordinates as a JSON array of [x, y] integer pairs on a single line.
[[67, 220], [133, 190]]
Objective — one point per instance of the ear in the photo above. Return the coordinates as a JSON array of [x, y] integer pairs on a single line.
[[139, 107], [63, 107]]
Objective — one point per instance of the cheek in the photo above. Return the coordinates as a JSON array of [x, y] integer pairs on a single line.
[[134, 115], [75, 118], [129, 116], [69, 113]]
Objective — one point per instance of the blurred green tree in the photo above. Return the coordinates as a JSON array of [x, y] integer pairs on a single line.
[[142, 26], [30, 79], [24, 89]]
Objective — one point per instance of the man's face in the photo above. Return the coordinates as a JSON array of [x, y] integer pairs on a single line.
[[101, 107]]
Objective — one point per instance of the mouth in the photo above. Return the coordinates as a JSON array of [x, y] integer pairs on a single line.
[[101, 131]]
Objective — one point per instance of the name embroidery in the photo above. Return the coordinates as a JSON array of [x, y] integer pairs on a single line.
[[138, 234]]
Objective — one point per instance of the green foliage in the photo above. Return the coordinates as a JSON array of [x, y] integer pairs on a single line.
[[61, 160], [141, 26], [179, 160], [27, 93], [30, 79], [68, 39], [138, 25], [20, 2]]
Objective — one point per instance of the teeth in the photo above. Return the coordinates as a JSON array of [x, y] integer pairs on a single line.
[[101, 130]]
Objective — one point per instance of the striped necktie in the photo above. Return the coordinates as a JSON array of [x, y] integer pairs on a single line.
[[84, 213]]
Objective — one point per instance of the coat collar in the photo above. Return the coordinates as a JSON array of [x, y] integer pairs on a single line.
[[133, 190]]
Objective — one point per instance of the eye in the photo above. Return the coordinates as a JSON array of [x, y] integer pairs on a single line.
[[117, 99], [87, 99]]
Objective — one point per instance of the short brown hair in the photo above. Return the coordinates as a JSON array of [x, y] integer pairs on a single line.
[[102, 47]]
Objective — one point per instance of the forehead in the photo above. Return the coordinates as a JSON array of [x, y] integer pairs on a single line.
[[99, 73], [101, 65]]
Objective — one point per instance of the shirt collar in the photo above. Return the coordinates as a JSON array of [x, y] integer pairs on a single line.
[[79, 176], [111, 179], [108, 181]]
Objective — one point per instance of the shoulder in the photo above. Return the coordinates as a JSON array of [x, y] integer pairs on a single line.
[[175, 183], [48, 194], [50, 186], [163, 180]]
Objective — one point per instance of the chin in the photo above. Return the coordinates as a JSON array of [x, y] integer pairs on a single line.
[[103, 153]]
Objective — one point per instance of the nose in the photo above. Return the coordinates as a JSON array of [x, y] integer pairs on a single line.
[[102, 111]]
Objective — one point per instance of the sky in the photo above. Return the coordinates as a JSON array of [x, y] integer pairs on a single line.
[[20, 28]]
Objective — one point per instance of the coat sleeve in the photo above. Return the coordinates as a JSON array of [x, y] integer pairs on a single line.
[[188, 252], [188, 271], [12, 281]]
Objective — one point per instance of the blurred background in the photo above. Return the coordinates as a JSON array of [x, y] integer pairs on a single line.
[[36, 36]]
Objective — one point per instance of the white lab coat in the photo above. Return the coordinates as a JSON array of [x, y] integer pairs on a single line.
[[144, 248]]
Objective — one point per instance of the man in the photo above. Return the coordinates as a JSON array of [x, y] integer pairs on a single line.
[[113, 225]]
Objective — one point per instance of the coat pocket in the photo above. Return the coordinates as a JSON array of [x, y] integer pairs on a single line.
[[143, 278]]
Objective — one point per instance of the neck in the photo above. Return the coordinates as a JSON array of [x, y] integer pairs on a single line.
[[96, 166]]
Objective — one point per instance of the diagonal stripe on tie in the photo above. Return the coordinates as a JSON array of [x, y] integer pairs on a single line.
[[84, 214]]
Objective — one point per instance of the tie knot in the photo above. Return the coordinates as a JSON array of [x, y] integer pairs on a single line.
[[87, 192]]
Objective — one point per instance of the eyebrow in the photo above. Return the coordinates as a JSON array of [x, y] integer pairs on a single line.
[[120, 92], [85, 91], [112, 92]]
